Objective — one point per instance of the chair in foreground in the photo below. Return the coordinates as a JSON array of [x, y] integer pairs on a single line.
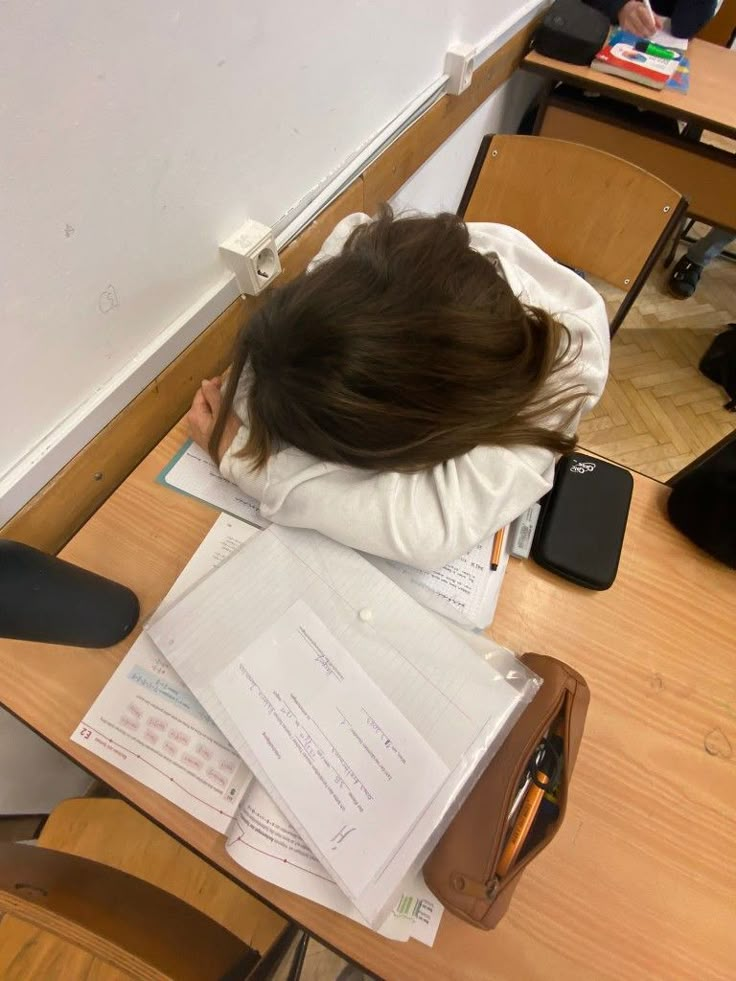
[[106, 895], [586, 208]]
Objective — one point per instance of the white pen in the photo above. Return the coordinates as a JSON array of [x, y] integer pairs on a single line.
[[648, 5]]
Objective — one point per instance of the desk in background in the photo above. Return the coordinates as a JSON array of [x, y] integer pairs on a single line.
[[704, 174], [641, 878]]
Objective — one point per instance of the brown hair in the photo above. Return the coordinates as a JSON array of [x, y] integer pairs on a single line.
[[406, 349]]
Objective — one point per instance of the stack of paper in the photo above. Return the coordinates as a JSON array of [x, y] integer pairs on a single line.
[[263, 841], [147, 723], [364, 718]]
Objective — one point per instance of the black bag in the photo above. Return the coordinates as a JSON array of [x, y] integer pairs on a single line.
[[572, 32], [719, 363], [703, 507], [702, 504]]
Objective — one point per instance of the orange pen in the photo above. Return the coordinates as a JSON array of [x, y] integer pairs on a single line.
[[497, 548], [522, 825]]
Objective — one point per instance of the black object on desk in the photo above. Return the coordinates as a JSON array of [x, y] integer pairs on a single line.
[[703, 501], [47, 600], [571, 31], [581, 529]]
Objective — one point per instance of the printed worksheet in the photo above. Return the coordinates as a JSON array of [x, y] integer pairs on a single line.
[[335, 748], [147, 723], [263, 841], [193, 472], [465, 590]]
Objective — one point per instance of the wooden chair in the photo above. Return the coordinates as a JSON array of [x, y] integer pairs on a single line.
[[722, 28], [107, 896], [586, 208]]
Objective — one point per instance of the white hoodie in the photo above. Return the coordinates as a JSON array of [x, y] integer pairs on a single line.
[[428, 518]]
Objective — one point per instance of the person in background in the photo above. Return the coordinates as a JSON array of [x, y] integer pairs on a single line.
[[409, 394], [686, 16], [688, 270]]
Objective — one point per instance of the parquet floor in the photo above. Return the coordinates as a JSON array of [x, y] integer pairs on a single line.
[[658, 412]]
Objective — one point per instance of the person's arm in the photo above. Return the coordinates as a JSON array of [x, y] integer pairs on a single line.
[[631, 15], [688, 16], [423, 519]]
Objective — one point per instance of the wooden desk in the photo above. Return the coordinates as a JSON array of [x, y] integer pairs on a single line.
[[704, 174], [641, 880]]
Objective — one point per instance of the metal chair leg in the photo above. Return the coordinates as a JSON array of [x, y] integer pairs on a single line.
[[682, 230], [297, 962]]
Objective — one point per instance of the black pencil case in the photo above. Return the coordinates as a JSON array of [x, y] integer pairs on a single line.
[[581, 528]]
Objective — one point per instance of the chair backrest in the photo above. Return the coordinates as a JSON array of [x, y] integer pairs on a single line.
[[119, 918], [721, 28], [586, 208]]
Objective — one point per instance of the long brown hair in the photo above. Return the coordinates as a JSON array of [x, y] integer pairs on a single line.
[[406, 349]]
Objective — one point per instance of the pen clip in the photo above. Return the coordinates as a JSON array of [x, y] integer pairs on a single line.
[[547, 760]]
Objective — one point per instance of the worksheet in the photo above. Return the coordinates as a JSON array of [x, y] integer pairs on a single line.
[[263, 841], [335, 749], [466, 590], [193, 472], [147, 723]]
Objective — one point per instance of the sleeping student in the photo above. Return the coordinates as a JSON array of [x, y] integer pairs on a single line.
[[410, 392]]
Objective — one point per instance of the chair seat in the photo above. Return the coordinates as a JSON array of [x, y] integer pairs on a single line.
[[113, 833]]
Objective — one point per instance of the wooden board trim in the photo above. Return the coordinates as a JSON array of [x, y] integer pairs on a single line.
[[62, 506]]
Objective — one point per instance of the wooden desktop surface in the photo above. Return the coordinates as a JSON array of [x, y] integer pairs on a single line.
[[710, 101], [639, 883]]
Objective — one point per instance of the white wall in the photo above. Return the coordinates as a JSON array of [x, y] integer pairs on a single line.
[[138, 135], [439, 184]]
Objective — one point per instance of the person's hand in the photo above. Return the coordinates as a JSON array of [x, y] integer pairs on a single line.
[[203, 414], [635, 18]]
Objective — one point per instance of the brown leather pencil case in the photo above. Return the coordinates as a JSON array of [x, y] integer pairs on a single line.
[[470, 870]]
